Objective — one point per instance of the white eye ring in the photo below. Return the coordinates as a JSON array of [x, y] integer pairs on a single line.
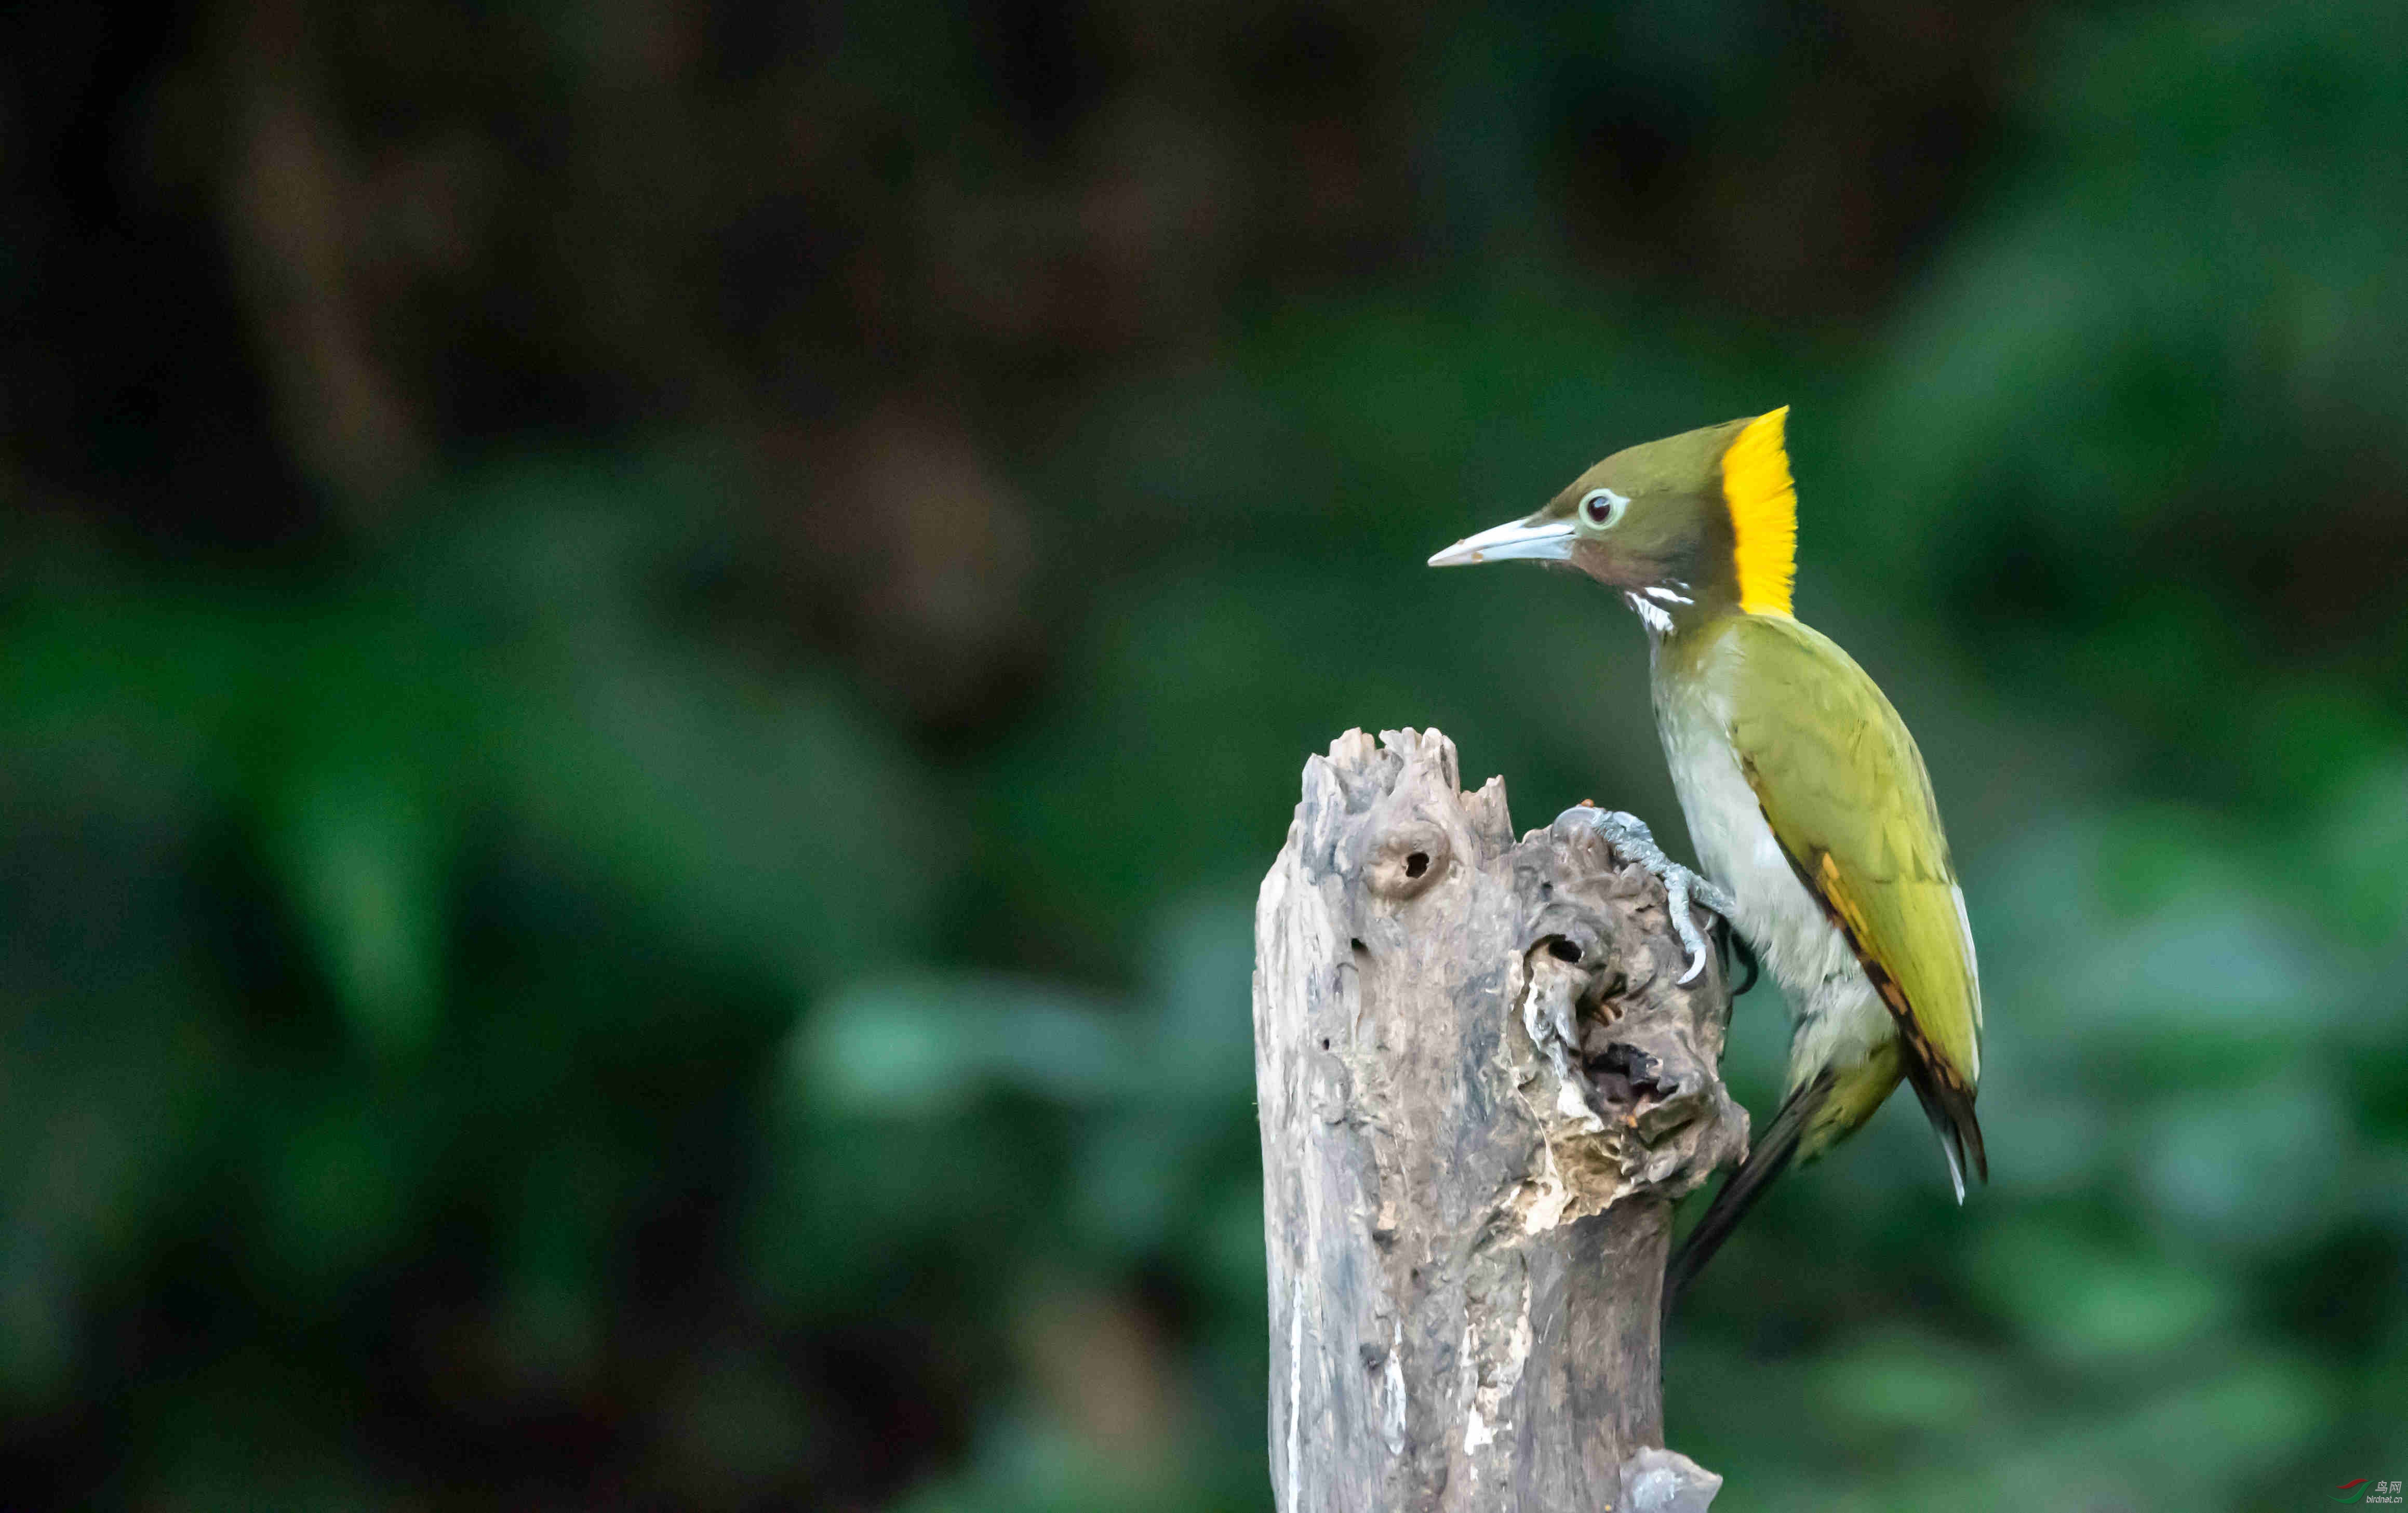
[[1602, 508]]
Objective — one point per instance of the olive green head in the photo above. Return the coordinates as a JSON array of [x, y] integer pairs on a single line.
[[1705, 516]]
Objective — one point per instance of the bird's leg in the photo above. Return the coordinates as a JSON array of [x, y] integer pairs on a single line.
[[1682, 888]]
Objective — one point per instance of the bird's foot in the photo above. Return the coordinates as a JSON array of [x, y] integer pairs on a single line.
[[1735, 946], [1682, 888]]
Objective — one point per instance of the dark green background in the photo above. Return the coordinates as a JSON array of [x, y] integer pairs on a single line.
[[649, 652]]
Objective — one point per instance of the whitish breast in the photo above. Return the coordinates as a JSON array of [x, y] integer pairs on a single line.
[[1800, 946]]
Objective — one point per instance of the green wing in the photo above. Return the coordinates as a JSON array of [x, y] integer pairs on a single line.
[[1846, 794]]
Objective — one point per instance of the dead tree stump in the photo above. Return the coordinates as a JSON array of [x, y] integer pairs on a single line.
[[1482, 1086]]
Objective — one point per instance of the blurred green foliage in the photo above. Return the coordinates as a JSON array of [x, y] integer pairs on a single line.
[[648, 963]]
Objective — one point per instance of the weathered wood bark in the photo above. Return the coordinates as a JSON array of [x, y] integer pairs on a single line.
[[1481, 1088]]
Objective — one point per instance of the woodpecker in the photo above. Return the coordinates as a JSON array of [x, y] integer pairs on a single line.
[[1807, 801]]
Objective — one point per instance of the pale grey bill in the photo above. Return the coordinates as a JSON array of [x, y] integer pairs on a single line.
[[1541, 541]]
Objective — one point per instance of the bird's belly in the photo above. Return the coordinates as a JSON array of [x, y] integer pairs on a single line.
[[1840, 1018]]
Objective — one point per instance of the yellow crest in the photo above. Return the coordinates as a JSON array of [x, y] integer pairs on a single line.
[[1763, 512]]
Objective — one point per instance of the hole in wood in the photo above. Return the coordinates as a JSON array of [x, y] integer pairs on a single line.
[[1625, 1075], [1562, 949], [1407, 860]]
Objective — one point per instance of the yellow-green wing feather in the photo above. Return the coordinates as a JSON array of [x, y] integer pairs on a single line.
[[1844, 791]]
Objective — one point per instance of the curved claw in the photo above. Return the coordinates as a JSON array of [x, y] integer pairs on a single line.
[[1683, 890], [1742, 953], [1677, 889]]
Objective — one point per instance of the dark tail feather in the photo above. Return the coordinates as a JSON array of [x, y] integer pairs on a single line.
[[1767, 1158], [1950, 1108]]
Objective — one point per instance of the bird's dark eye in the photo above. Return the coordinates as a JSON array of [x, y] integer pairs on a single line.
[[1601, 507]]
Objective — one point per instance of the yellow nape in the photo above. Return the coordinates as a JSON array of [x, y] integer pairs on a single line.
[[1764, 514]]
